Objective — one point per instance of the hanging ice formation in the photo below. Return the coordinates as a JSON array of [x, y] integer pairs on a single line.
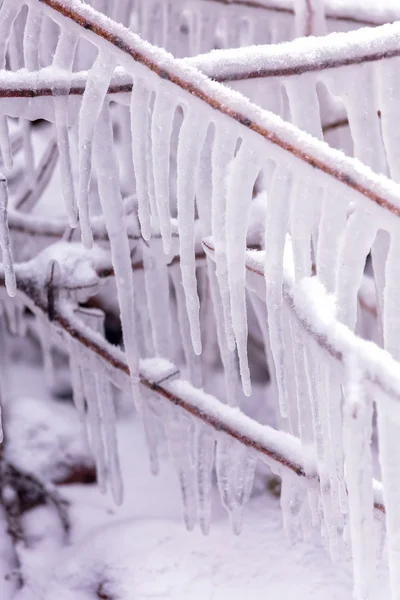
[[315, 221]]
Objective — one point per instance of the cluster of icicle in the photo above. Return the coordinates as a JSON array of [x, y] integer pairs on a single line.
[[187, 28], [218, 164]]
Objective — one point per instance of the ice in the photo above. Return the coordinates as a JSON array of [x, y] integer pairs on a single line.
[[8, 13], [151, 435], [388, 80], [63, 58], [355, 245], [108, 421], [192, 361], [204, 461], [161, 130], [275, 235], [75, 360], [357, 429], [5, 145], [235, 467], [242, 174], [44, 329], [92, 103], [304, 205], [222, 153], [93, 421], [157, 285], [363, 120], [389, 457], [245, 471], [304, 105], [29, 159], [140, 102], [113, 211], [332, 224], [32, 39], [5, 239], [191, 138], [180, 435], [227, 356]]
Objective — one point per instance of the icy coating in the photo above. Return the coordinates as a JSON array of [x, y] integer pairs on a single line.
[[209, 165]]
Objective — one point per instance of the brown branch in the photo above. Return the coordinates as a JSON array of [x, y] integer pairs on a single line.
[[112, 34], [335, 125]]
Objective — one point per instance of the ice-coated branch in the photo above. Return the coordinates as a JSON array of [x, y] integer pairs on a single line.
[[379, 367], [127, 46], [300, 56], [274, 446], [380, 14]]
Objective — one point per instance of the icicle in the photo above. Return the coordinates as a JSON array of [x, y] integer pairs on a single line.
[[275, 235], [242, 175], [224, 463], [304, 411], [157, 286], [222, 153], [261, 316], [140, 102], [76, 379], [44, 329], [304, 202], [191, 139], [227, 357], [29, 159], [94, 423], [204, 460], [235, 467], [179, 432], [292, 494], [388, 421], [332, 225], [108, 420], [92, 103], [113, 211], [362, 115], [161, 131], [192, 361], [357, 429], [145, 342], [5, 240], [355, 246], [245, 470], [304, 104], [63, 58], [388, 82], [310, 17], [5, 145], [389, 458], [32, 39], [8, 13], [150, 432]]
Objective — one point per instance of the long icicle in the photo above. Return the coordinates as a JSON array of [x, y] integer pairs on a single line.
[[191, 138], [92, 103], [5, 239], [113, 210]]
